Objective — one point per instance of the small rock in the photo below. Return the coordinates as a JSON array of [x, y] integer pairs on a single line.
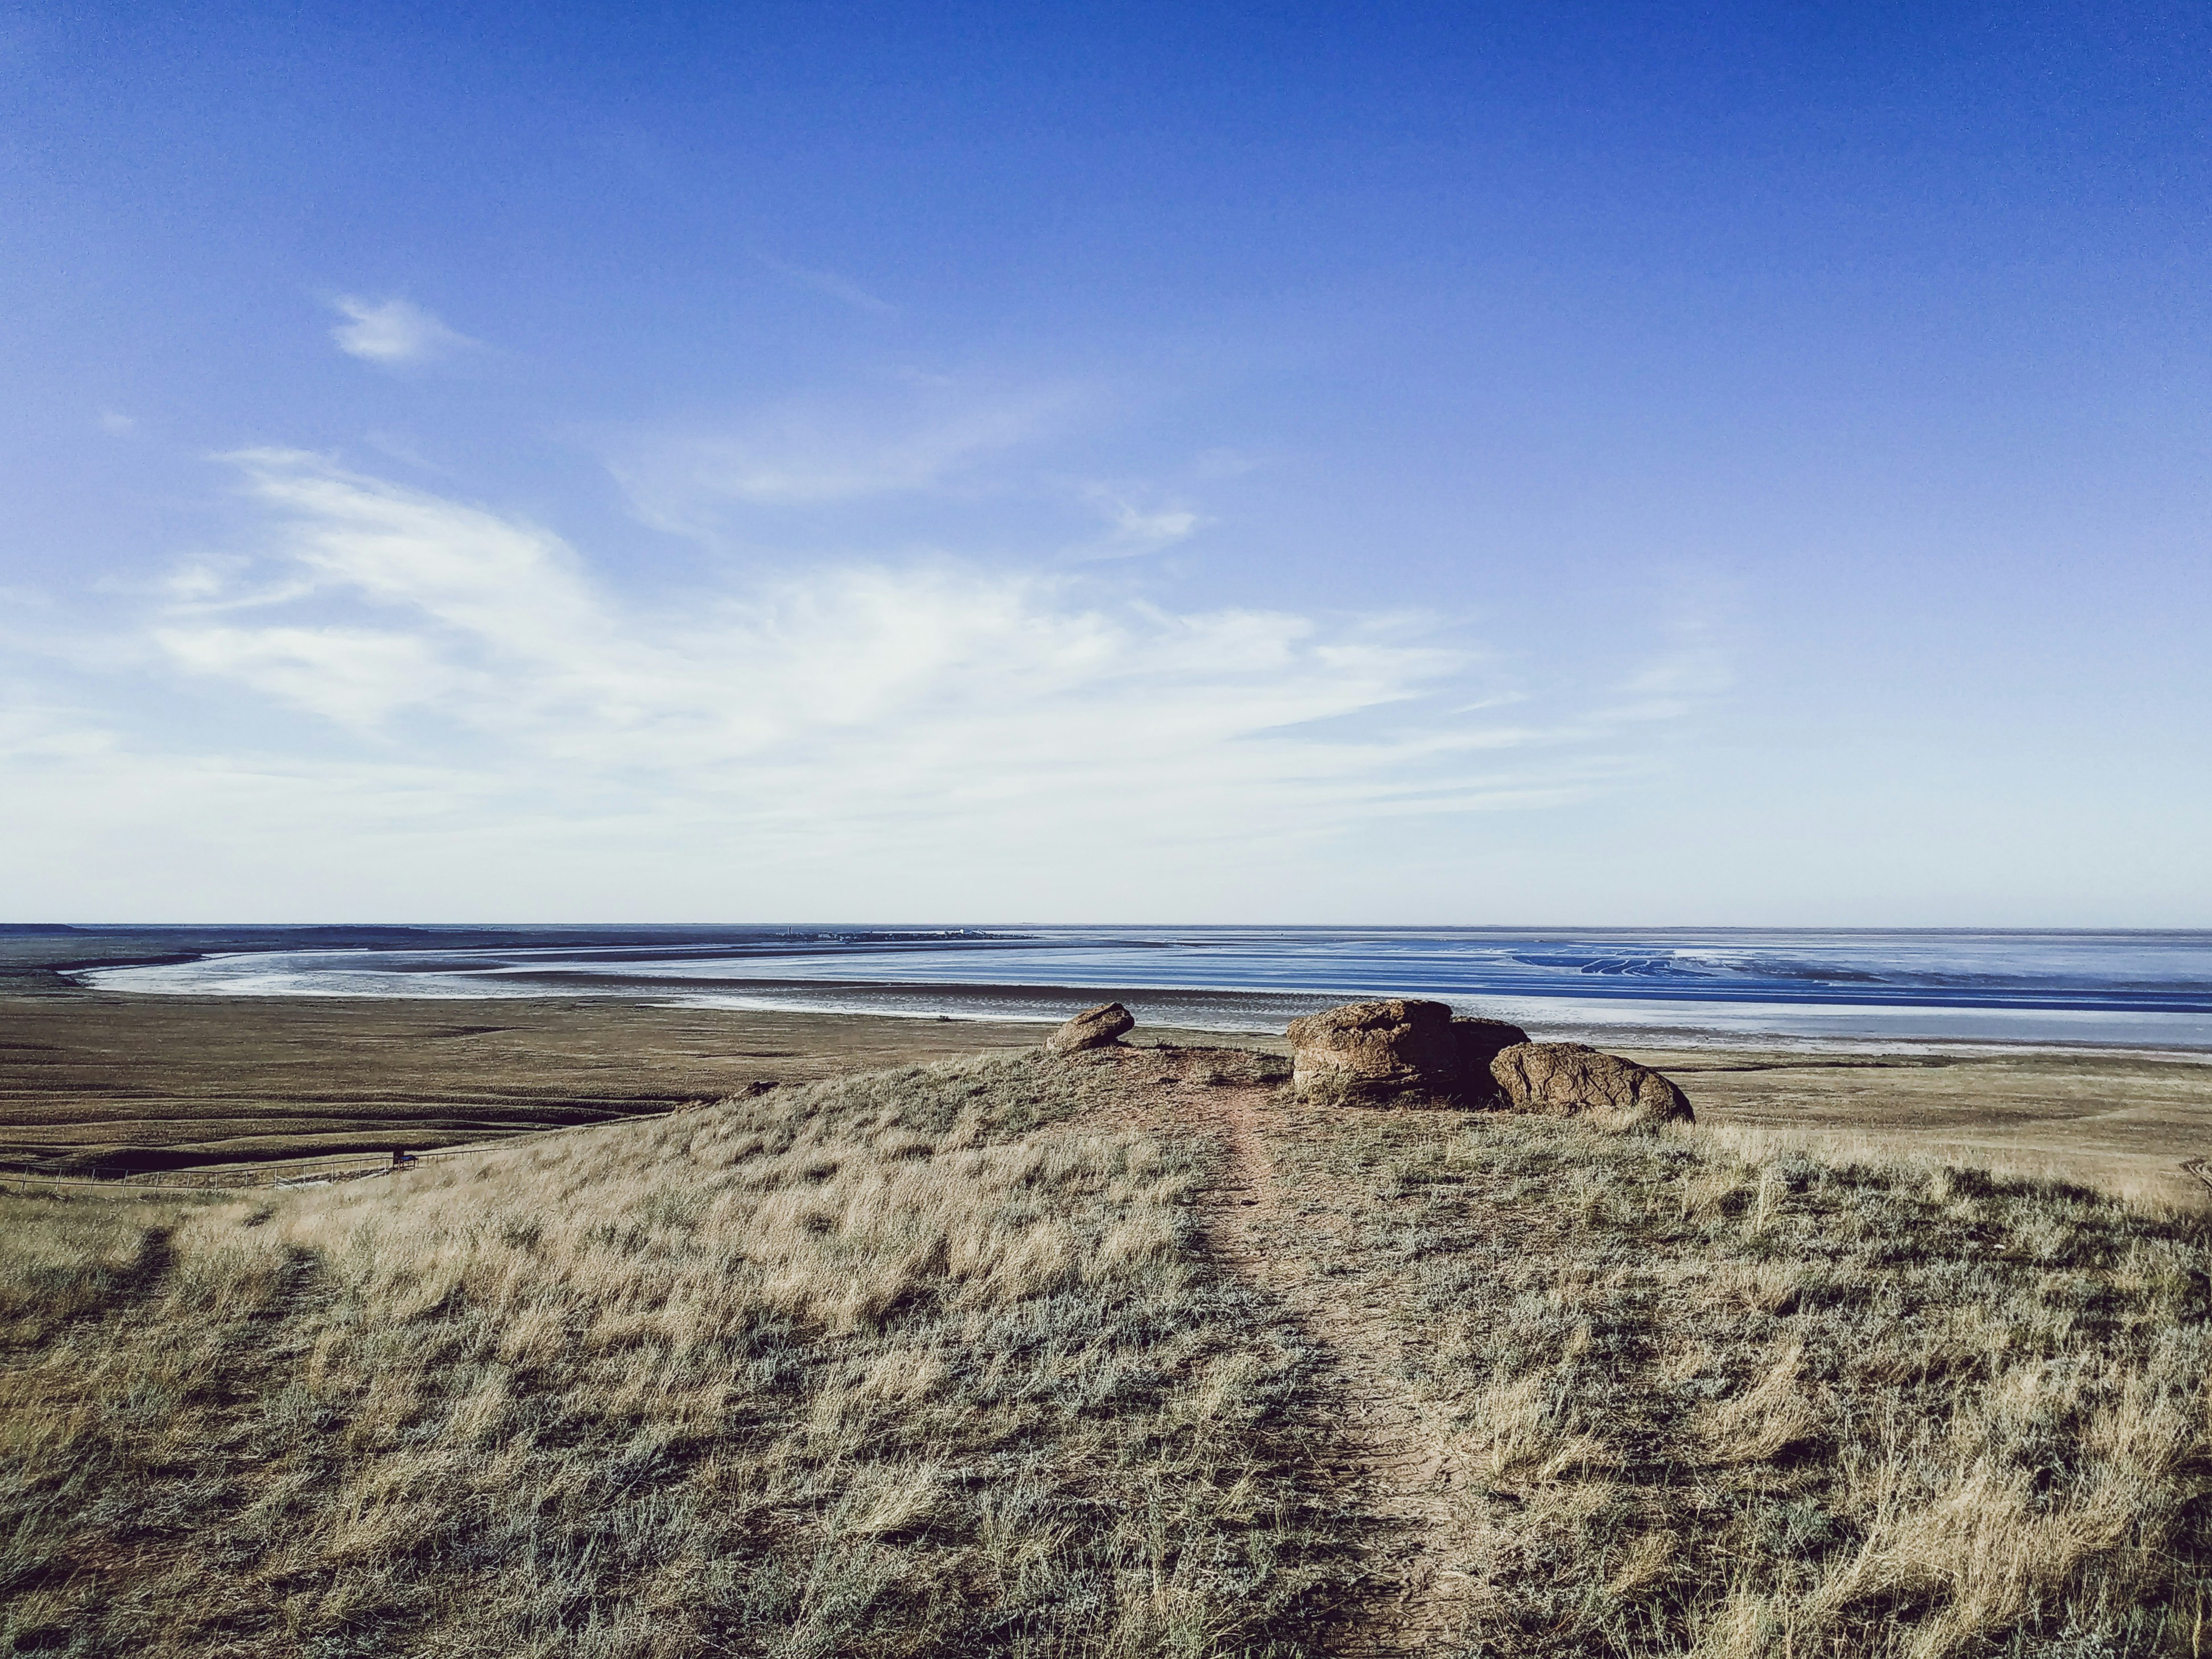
[[1572, 1079], [1373, 1051], [1094, 1028]]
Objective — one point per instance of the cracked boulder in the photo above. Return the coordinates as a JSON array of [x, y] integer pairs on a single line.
[[1571, 1079], [1375, 1051]]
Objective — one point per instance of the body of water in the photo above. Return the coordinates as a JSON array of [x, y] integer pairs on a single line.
[[2133, 989]]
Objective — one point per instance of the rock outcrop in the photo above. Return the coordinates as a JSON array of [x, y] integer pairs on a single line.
[[1572, 1079], [1475, 1044], [1094, 1028], [1372, 1051]]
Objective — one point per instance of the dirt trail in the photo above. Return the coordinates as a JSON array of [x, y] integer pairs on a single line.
[[1377, 1454]]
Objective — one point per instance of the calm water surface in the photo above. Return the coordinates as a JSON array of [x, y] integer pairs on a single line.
[[2151, 989]]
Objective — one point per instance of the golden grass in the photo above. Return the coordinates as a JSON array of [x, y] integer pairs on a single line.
[[932, 1362], [882, 1366], [2108, 1119], [1717, 1401], [2158, 1190]]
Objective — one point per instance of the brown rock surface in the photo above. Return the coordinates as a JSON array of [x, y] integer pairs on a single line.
[[1094, 1028], [1375, 1050], [1475, 1044], [1570, 1079]]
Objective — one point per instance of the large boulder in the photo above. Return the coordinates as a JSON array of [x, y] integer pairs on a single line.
[[1094, 1028], [1372, 1051], [1475, 1044], [1572, 1079]]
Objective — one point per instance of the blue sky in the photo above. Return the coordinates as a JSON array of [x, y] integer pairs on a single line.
[[1333, 463]]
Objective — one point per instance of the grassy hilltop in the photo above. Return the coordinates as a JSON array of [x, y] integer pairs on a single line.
[[1123, 1354]]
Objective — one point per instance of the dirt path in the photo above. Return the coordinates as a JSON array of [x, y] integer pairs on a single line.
[[1376, 1456]]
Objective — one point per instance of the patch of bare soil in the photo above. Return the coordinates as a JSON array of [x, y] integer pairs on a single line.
[[1377, 1457]]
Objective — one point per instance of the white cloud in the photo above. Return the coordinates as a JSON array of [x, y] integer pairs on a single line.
[[204, 581], [402, 448], [891, 661], [393, 332], [356, 676], [844, 288], [116, 425], [929, 439], [1691, 665], [885, 739], [1135, 531]]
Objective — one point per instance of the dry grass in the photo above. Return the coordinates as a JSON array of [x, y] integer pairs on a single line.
[[145, 1084], [64, 1256], [932, 1362], [1709, 1401], [884, 1366], [2115, 1121]]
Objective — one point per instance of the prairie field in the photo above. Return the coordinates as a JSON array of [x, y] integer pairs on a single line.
[[1130, 1354], [151, 1087], [147, 1085]]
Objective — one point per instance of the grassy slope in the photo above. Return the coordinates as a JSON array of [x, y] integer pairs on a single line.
[[1749, 1405], [935, 1362], [856, 1367]]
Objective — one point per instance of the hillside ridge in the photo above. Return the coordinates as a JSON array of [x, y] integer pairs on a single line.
[[1128, 1352]]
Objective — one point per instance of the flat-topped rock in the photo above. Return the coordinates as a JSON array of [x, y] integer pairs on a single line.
[[1094, 1028], [1572, 1079], [1373, 1051]]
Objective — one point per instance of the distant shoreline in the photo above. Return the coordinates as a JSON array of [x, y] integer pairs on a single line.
[[1846, 990], [1181, 1010], [157, 1082]]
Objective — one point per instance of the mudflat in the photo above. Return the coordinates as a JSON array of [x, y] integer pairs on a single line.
[[147, 1084], [150, 1083]]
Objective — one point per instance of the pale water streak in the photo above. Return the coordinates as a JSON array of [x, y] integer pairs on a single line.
[[2137, 989]]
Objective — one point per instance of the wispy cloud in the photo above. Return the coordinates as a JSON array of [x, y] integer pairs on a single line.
[[1039, 676], [1690, 664], [928, 438], [393, 332], [357, 675], [1133, 531], [891, 738], [117, 425], [841, 288]]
